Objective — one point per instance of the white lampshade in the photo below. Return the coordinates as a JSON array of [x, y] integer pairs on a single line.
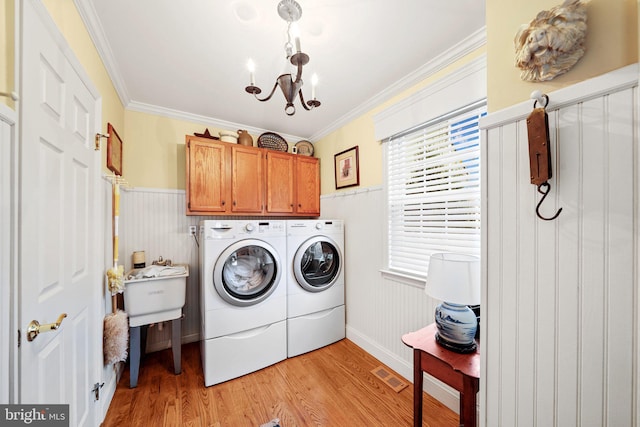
[[454, 278]]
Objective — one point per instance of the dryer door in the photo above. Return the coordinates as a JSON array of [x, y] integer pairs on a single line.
[[317, 263], [247, 272]]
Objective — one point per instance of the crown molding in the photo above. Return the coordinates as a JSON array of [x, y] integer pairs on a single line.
[[203, 120], [455, 53], [96, 32]]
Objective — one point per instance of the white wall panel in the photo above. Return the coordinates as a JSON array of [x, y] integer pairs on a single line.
[[154, 221], [560, 299]]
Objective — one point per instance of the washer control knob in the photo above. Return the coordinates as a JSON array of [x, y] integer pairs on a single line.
[[249, 228], [318, 226]]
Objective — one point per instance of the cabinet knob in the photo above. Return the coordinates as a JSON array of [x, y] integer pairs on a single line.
[[299, 205], [223, 203]]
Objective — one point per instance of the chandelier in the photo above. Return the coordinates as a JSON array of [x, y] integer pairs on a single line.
[[290, 11]]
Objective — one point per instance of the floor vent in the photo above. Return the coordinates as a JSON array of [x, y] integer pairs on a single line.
[[389, 378]]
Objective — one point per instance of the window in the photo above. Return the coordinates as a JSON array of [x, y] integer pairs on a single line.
[[433, 190]]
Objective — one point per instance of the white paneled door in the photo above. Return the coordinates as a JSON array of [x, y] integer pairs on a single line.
[[59, 231]]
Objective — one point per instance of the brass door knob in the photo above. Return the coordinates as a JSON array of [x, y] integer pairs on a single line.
[[35, 327]]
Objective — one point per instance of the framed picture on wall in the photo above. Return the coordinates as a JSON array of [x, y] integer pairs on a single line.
[[114, 151], [347, 170]]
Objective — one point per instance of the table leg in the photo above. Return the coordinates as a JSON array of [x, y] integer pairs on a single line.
[[417, 388], [468, 401]]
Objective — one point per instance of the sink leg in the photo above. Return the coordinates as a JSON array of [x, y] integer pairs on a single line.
[[144, 329], [134, 355], [176, 344]]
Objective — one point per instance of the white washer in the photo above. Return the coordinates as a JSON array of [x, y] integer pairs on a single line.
[[243, 297], [315, 284]]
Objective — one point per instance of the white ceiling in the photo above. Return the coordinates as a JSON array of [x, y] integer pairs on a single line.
[[187, 59]]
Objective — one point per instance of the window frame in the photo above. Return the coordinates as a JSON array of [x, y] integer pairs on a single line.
[[449, 124], [461, 87]]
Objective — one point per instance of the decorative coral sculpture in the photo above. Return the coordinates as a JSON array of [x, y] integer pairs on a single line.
[[553, 42]]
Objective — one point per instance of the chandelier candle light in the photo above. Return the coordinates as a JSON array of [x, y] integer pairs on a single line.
[[454, 279], [290, 11]]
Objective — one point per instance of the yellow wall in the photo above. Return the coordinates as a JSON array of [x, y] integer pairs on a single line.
[[7, 51], [612, 42], [67, 19]]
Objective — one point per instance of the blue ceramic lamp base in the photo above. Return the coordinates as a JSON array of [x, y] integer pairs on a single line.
[[457, 325]]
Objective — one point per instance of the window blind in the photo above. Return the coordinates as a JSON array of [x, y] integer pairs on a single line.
[[433, 191]]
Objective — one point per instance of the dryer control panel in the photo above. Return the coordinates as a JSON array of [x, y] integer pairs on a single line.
[[261, 228]]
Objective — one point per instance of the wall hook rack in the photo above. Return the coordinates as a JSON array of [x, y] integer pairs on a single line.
[[539, 149], [115, 179]]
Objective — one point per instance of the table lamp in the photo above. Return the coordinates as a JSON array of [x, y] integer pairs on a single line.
[[454, 279]]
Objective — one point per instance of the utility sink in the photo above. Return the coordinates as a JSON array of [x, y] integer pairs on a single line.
[[155, 299]]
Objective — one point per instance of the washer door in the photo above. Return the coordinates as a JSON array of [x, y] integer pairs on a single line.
[[247, 272], [317, 263]]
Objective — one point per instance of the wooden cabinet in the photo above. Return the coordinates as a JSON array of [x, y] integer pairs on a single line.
[[280, 182], [207, 176], [307, 186], [231, 179], [247, 182]]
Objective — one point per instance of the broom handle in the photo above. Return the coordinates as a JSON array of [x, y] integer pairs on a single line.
[[116, 216]]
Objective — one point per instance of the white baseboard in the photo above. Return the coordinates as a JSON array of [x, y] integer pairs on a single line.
[[109, 389], [440, 391]]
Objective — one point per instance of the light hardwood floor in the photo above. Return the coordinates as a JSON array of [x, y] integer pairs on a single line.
[[332, 386]]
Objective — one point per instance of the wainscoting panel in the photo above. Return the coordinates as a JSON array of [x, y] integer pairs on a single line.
[[560, 298], [154, 221]]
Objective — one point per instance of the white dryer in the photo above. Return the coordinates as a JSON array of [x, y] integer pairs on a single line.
[[243, 297], [315, 284]]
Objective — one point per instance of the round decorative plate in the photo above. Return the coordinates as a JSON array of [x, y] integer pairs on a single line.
[[304, 148], [272, 141]]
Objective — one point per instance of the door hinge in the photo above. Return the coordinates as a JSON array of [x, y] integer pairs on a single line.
[[96, 390], [189, 204]]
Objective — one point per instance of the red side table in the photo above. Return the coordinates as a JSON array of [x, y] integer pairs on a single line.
[[460, 371]]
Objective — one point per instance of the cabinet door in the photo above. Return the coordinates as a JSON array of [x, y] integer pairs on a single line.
[[280, 182], [247, 182], [308, 185], [207, 182]]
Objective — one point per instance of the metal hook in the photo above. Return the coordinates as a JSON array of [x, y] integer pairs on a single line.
[[544, 195], [546, 101]]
